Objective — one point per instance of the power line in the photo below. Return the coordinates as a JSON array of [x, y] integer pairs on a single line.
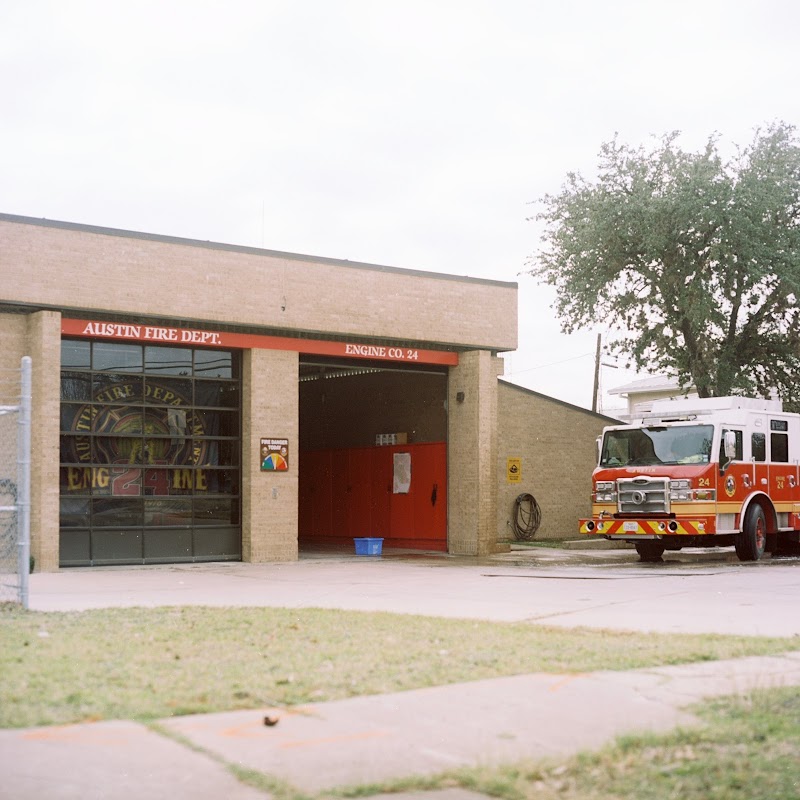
[[551, 364]]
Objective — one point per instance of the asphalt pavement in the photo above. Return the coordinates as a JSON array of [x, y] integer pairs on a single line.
[[323, 746]]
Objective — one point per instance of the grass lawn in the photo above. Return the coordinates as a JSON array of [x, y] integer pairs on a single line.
[[147, 664]]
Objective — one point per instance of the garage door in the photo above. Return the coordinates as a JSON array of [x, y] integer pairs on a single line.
[[150, 454]]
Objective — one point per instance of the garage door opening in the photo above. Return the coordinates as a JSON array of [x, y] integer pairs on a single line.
[[373, 455]]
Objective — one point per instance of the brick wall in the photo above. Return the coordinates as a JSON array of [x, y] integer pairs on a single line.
[[14, 338], [269, 499], [38, 335], [472, 454], [179, 279], [556, 442], [44, 340]]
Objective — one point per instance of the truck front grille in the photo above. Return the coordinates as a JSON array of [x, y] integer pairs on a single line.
[[643, 495]]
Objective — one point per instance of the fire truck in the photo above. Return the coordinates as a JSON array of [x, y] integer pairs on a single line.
[[710, 472]]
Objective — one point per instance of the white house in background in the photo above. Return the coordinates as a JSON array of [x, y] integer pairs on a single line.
[[641, 394]]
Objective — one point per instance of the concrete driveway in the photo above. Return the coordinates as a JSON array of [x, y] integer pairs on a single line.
[[706, 591]]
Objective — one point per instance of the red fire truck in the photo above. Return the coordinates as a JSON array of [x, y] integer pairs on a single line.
[[712, 472]]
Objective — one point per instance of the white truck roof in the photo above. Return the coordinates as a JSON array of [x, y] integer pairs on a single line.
[[689, 406]]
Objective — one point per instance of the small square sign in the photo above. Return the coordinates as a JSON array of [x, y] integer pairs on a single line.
[[274, 455]]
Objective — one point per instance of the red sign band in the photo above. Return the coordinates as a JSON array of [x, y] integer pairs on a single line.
[[248, 341]]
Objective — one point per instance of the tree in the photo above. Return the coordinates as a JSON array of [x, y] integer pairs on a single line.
[[695, 260]]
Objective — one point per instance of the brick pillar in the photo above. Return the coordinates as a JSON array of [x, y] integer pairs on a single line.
[[44, 348], [269, 499], [472, 454]]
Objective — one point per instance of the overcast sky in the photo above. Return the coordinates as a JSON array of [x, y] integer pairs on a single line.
[[414, 134]]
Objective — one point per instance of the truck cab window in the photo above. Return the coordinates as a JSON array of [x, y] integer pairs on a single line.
[[779, 447], [657, 444], [758, 447], [779, 440]]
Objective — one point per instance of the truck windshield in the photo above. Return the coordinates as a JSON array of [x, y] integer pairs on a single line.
[[665, 444]]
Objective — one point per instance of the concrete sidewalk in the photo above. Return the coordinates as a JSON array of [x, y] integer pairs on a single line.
[[371, 739], [377, 738]]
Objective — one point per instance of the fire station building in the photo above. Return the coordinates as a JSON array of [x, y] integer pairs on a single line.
[[195, 401]]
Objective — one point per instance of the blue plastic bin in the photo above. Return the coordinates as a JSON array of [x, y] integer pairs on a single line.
[[368, 546]]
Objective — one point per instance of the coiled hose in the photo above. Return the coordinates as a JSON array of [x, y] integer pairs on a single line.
[[527, 517]]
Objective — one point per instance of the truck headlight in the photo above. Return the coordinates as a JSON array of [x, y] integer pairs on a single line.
[[680, 490], [605, 492]]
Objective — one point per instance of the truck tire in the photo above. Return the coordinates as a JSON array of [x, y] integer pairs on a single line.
[[750, 543], [650, 549]]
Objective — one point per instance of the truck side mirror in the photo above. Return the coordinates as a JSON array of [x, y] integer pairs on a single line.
[[730, 445]]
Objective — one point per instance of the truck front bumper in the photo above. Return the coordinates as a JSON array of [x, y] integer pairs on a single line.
[[647, 528]]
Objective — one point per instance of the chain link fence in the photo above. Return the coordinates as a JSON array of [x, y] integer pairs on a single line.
[[15, 466]]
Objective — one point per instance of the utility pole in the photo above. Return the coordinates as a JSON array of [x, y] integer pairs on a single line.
[[596, 374]]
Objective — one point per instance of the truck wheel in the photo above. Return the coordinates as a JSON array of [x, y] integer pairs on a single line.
[[750, 543], [650, 550]]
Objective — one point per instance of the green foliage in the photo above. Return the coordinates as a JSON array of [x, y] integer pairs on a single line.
[[697, 260]]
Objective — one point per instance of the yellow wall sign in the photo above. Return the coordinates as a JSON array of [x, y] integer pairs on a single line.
[[514, 470]]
